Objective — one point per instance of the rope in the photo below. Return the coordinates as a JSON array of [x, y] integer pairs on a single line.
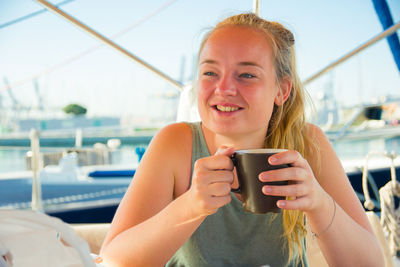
[[390, 215]]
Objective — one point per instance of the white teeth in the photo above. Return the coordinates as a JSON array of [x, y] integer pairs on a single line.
[[226, 108]]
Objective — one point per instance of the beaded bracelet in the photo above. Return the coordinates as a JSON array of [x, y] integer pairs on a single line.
[[314, 235]]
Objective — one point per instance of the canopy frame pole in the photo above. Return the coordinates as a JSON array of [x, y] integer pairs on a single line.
[[342, 59], [108, 42], [256, 7]]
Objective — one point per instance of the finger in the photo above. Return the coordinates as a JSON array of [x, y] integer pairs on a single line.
[[225, 150], [208, 177], [290, 173], [301, 203], [219, 189], [292, 190], [291, 157], [216, 162]]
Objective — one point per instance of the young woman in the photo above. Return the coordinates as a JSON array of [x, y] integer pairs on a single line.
[[179, 209]]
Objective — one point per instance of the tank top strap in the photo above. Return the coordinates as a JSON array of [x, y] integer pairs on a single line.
[[199, 146]]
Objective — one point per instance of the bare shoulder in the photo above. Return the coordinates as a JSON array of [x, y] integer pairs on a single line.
[[317, 142], [314, 131], [161, 170], [175, 128], [170, 146], [322, 145], [173, 135], [328, 161]]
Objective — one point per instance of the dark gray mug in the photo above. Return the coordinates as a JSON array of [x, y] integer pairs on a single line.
[[249, 164]]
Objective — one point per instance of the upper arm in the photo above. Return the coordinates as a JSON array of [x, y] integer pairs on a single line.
[[333, 179], [153, 185]]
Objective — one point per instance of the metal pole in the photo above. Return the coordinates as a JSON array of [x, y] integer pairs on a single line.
[[380, 36], [35, 164], [108, 42], [78, 138], [256, 7]]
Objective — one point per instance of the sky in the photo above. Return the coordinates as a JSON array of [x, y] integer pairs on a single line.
[[51, 50]]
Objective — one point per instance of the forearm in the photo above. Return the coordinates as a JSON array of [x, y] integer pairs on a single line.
[[345, 242], [154, 241]]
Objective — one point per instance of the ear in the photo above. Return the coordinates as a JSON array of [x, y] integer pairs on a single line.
[[284, 92]]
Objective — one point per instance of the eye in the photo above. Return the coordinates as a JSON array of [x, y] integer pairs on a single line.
[[209, 73], [247, 75]]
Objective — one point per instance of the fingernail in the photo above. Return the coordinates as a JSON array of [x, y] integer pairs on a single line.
[[281, 204], [273, 160], [267, 189]]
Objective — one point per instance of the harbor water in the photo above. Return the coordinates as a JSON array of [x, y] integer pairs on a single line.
[[12, 158], [356, 149]]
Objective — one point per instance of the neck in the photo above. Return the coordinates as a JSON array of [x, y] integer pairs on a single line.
[[238, 141]]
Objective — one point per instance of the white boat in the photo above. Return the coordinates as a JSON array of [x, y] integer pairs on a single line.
[[368, 121]]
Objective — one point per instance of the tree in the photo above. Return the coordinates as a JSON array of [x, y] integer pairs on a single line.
[[75, 109]]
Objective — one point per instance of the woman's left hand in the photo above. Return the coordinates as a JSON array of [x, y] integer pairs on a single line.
[[303, 188]]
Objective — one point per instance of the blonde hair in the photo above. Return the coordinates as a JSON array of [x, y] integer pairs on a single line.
[[287, 127]]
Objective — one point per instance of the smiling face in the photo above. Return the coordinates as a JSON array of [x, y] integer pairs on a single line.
[[237, 86]]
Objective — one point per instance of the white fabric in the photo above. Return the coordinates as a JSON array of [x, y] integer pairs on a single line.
[[33, 239], [187, 109]]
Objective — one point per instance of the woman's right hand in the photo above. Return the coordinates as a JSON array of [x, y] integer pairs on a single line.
[[211, 182]]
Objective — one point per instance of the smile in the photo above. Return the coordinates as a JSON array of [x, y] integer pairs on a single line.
[[226, 108]]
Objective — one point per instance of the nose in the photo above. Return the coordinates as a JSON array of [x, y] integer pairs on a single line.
[[226, 86]]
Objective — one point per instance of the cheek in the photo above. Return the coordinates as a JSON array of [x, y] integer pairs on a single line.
[[201, 100], [204, 91], [262, 103], [200, 96]]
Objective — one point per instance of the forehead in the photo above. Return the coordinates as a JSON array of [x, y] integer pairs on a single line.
[[237, 43]]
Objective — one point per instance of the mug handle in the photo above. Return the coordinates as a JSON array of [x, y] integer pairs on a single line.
[[235, 190]]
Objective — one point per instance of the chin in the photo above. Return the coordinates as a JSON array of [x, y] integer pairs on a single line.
[[224, 128]]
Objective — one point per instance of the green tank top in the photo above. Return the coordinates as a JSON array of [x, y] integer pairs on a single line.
[[231, 236]]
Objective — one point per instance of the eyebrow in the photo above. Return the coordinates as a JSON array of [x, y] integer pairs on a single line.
[[208, 61], [248, 63], [244, 63]]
